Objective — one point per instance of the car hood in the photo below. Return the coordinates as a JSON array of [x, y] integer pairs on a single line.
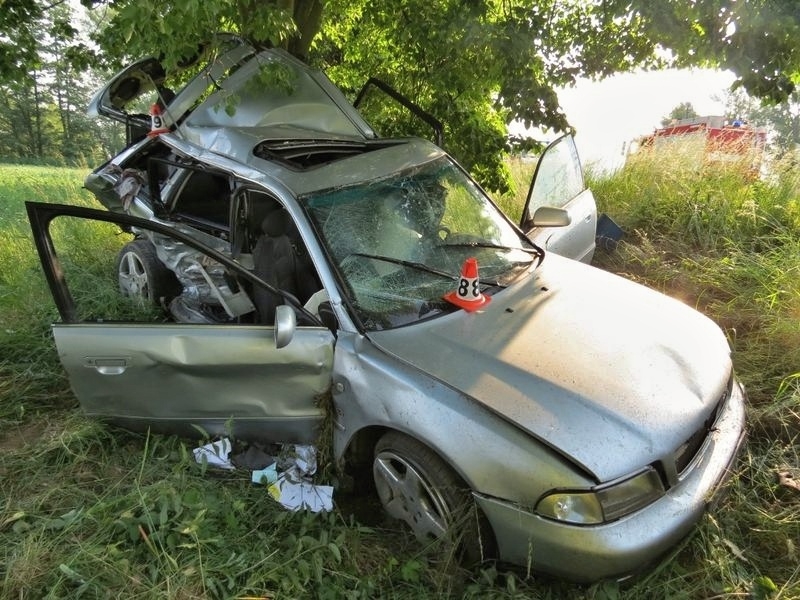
[[607, 372]]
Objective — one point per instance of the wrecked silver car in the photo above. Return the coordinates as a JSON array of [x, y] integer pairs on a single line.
[[282, 266]]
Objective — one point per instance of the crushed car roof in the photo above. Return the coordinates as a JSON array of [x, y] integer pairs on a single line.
[[268, 92]]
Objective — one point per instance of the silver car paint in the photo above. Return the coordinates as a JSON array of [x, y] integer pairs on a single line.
[[438, 390], [170, 376], [578, 239], [374, 389], [212, 144], [609, 550], [226, 76], [582, 360], [619, 372], [507, 468], [585, 301]]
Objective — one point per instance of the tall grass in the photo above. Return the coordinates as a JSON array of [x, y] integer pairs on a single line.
[[87, 511], [708, 207], [30, 376], [722, 241]]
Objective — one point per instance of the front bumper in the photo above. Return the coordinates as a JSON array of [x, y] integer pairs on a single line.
[[612, 550]]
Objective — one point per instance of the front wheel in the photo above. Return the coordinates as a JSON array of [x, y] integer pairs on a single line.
[[142, 275], [416, 486]]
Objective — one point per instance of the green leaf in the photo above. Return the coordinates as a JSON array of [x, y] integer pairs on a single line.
[[763, 588], [410, 571], [337, 555]]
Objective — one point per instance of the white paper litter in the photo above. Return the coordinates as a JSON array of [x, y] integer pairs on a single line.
[[302, 495], [305, 459], [215, 454], [265, 476], [291, 488]]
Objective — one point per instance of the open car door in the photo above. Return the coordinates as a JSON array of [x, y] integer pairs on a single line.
[[131, 364], [558, 182]]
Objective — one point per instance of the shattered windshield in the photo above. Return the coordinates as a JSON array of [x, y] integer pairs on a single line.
[[399, 242]]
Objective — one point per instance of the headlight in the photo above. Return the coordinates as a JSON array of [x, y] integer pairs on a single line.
[[603, 504]]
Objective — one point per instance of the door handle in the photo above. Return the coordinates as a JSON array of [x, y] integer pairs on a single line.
[[107, 365]]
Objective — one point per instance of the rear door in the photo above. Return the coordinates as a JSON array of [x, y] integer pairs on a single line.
[[131, 363], [558, 182]]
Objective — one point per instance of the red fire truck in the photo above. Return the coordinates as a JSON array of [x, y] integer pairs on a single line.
[[710, 140]]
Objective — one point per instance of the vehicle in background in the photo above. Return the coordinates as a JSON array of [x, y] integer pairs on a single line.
[[708, 141]]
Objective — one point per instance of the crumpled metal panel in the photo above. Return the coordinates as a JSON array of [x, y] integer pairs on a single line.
[[610, 373], [193, 374]]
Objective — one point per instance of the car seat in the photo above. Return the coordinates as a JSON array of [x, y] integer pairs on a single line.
[[280, 259]]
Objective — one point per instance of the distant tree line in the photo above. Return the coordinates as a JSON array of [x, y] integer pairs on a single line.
[[43, 108], [477, 66]]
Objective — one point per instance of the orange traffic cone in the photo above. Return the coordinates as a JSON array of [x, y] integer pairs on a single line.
[[468, 293], [157, 122]]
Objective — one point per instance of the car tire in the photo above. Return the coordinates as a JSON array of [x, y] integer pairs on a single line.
[[142, 275], [416, 486]]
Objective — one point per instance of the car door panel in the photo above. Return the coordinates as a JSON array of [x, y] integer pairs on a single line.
[[203, 375], [578, 239], [558, 182], [169, 376]]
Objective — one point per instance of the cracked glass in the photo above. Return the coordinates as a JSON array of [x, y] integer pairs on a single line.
[[399, 242]]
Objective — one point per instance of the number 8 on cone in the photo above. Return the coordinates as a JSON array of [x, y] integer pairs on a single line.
[[468, 293]]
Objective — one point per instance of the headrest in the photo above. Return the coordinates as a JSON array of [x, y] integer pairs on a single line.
[[276, 223]]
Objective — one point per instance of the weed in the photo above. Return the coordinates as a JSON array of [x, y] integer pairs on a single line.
[[94, 512]]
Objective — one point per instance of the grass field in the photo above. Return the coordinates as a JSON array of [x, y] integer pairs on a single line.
[[87, 511]]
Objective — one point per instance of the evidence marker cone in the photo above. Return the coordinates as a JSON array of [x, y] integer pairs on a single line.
[[157, 122], [468, 293]]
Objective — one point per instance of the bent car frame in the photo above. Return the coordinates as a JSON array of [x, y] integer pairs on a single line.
[[265, 268]]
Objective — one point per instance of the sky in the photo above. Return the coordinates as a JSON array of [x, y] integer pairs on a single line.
[[610, 113]]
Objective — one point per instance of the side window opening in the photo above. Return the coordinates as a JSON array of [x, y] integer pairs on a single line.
[[558, 178], [279, 255], [203, 199], [139, 179], [144, 276]]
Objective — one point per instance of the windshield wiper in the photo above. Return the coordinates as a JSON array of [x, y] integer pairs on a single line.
[[490, 245], [407, 263], [536, 251], [423, 267]]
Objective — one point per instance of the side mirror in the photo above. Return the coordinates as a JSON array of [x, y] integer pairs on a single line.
[[285, 325], [548, 216]]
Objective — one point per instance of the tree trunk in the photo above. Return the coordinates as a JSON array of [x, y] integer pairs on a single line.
[[308, 18], [37, 119]]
